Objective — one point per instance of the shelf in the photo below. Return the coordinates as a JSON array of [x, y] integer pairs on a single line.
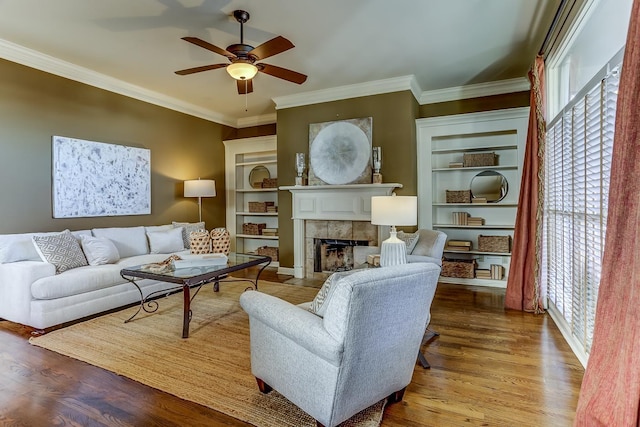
[[257, 162], [476, 282], [486, 227], [257, 236], [479, 205], [257, 213], [475, 168], [474, 149], [478, 253], [256, 190]]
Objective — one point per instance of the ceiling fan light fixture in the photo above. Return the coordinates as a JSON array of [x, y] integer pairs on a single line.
[[242, 70]]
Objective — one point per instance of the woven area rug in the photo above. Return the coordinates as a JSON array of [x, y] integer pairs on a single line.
[[212, 367]]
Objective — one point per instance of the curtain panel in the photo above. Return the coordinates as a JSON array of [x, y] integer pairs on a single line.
[[523, 285]]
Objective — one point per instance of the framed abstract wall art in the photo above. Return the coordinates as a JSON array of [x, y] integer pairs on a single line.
[[340, 152], [98, 179]]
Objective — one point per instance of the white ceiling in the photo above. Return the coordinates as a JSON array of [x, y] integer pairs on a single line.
[[134, 46]]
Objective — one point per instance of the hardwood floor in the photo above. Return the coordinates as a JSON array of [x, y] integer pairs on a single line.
[[489, 367]]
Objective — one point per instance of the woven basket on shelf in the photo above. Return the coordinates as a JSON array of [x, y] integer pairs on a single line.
[[200, 242], [479, 159], [220, 241], [269, 251], [260, 207], [458, 196], [494, 243], [459, 268]]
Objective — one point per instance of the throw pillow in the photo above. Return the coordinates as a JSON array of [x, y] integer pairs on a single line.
[[62, 250], [188, 227], [166, 241], [409, 239], [319, 304], [99, 250]]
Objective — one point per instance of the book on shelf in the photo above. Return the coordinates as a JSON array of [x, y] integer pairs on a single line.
[[269, 231], [473, 220], [457, 248], [460, 218], [478, 200], [456, 164], [497, 271], [483, 274], [459, 243]]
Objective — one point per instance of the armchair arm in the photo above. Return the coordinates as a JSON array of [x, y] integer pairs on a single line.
[[297, 324], [424, 258]]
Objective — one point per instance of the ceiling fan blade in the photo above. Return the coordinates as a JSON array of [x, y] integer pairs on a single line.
[[209, 46], [245, 86], [272, 47], [199, 69], [282, 73]]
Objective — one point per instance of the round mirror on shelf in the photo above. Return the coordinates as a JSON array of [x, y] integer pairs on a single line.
[[489, 185], [257, 175]]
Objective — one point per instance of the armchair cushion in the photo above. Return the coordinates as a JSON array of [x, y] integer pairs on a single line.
[[410, 239], [318, 305]]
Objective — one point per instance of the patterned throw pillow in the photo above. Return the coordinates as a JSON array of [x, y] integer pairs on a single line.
[[319, 304], [187, 228], [62, 250], [409, 239]]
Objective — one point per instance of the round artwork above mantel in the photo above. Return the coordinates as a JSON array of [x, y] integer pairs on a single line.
[[340, 152]]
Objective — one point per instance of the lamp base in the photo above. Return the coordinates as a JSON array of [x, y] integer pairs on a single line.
[[394, 251]]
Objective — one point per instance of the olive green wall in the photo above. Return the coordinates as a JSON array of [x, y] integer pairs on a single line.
[[474, 105], [35, 105], [394, 130]]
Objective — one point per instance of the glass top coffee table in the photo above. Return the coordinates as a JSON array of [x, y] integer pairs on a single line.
[[188, 278]]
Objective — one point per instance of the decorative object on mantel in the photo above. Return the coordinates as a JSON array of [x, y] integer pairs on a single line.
[[394, 210], [92, 179], [301, 165], [340, 152], [377, 164], [200, 188]]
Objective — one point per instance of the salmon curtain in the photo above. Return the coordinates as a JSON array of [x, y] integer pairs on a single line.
[[610, 393], [523, 285]]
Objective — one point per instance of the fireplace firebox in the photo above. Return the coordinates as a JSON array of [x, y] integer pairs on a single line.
[[331, 255]]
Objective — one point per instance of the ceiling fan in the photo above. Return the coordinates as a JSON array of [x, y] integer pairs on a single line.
[[242, 57]]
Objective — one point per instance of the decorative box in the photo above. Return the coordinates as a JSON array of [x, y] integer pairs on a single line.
[[494, 243], [479, 159], [459, 268], [253, 229], [458, 196], [269, 251], [260, 207]]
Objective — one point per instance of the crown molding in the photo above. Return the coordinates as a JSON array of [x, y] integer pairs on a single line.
[[49, 64], [377, 87], [265, 119], [474, 91]]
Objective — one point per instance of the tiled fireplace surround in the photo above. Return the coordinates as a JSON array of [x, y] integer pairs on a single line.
[[332, 212]]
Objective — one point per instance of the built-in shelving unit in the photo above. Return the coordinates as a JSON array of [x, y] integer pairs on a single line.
[[241, 157], [445, 140]]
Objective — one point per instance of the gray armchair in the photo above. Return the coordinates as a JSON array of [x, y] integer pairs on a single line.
[[362, 351], [429, 247]]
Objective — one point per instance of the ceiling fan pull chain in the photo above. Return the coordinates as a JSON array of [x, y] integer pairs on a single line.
[[246, 95]]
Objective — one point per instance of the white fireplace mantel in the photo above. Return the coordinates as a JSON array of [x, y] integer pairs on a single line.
[[350, 202]]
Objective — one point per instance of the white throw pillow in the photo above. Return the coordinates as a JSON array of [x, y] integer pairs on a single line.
[[99, 250], [188, 227], [62, 250], [130, 241], [166, 241], [411, 240]]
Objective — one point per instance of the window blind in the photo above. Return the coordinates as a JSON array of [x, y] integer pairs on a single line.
[[579, 145]]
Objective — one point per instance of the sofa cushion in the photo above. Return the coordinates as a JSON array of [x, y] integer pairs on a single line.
[[158, 227], [99, 250], [165, 241], [20, 247], [187, 228], [319, 304], [129, 241], [61, 250], [77, 281], [410, 239]]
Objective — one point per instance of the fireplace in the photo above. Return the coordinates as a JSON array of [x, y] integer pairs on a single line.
[[331, 255]]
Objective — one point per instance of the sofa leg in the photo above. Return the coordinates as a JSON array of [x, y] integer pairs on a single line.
[[262, 386], [396, 397], [319, 424]]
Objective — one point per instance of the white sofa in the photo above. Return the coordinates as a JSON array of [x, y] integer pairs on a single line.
[[36, 294]]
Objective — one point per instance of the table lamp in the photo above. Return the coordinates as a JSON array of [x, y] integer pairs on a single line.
[[394, 210], [200, 188]]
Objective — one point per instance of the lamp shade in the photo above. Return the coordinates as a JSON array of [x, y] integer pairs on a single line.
[[394, 210], [242, 70], [200, 188]]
